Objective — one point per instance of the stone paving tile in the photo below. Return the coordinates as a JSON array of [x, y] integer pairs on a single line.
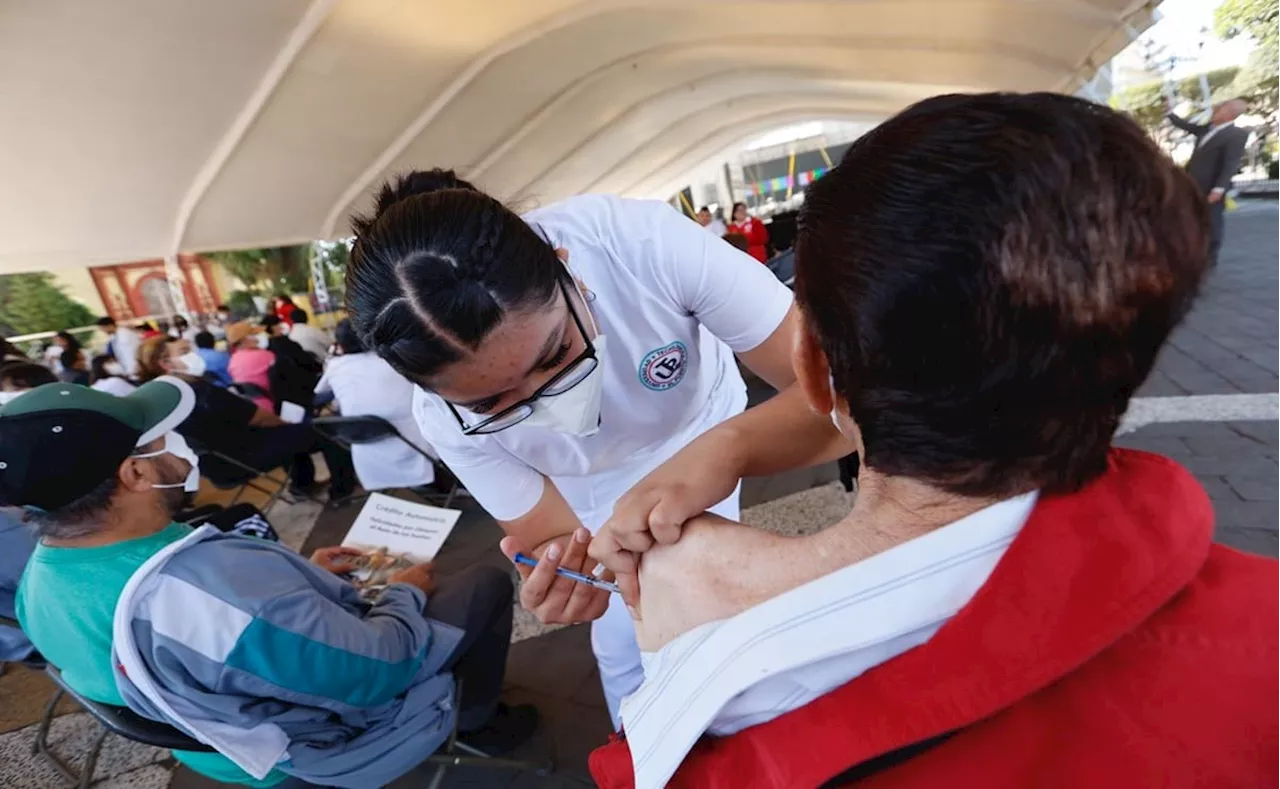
[[1236, 464]]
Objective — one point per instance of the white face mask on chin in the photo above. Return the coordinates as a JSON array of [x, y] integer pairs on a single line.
[[577, 411], [176, 445]]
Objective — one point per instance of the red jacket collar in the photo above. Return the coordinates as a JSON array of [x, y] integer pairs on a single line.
[[1086, 569]]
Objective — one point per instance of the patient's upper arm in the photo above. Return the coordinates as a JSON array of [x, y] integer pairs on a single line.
[[717, 569]]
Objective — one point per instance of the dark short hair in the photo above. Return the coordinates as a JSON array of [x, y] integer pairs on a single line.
[[98, 367], [204, 340], [222, 308], [178, 319], [738, 241], [436, 267], [105, 320], [80, 518], [270, 320], [344, 334], [298, 315], [991, 277], [26, 375]]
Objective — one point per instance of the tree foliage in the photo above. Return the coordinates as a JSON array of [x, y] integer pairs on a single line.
[[268, 271], [1256, 19], [32, 303], [1257, 80]]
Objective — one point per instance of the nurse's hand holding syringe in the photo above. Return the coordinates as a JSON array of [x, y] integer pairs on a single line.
[[553, 586]]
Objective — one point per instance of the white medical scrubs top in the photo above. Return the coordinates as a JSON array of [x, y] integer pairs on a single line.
[[365, 385], [675, 303]]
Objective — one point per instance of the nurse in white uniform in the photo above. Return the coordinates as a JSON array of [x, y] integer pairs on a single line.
[[561, 357]]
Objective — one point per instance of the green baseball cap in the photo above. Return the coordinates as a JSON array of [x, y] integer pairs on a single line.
[[60, 441]]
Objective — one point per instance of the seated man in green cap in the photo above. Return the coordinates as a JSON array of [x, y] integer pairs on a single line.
[[274, 661]]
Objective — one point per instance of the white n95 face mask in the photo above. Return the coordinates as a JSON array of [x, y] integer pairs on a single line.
[[264, 342], [577, 411], [193, 363], [176, 445]]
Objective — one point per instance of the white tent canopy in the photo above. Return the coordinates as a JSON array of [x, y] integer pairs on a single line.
[[133, 129]]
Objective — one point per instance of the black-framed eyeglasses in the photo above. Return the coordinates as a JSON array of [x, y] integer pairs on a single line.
[[573, 374]]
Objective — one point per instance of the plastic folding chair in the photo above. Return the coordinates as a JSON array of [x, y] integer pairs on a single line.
[[351, 430]]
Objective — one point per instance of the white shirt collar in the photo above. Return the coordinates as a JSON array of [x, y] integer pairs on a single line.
[[780, 655]]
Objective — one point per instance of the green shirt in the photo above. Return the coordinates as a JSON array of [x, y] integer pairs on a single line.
[[66, 603]]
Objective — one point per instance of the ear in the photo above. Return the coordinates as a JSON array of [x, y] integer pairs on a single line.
[[136, 475], [812, 371]]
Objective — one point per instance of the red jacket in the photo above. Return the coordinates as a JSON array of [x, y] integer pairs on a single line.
[[1113, 646], [757, 236]]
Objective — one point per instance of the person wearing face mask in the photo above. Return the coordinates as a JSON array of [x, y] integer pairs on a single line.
[[108, 376], [137, 610], [559, 358], [251, 362], [242, 428]]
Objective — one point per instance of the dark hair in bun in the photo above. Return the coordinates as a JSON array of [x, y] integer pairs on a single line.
[[436, 267]]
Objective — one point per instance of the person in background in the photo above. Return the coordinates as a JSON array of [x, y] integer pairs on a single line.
[[11, 352], [279, 343], [737, 241], [753, 229], [362, 384], [221, 320], [17, 542], [216, 362], [183, 330], [108, 376], [282, 307], [296, 372], [1215, 161], [713, 223], [251, 362], [243, 428], [75, 370], [312, 340], [122, 343], [18, 377], [371, 697]]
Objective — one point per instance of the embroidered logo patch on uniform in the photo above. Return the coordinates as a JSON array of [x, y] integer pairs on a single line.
[[663, 368]]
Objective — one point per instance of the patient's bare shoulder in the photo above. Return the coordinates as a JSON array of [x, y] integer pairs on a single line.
[[713, 572]]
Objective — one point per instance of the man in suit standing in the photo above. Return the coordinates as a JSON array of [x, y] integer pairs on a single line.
[[1219, 149]]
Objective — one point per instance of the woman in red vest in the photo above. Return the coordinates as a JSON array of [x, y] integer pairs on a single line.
[[1012, 602], [753, 230]]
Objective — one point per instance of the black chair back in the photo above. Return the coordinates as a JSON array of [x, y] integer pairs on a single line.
[[129, 724], [248, 390], [356, 429]]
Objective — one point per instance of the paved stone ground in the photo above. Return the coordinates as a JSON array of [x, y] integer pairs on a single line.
[[1228, 346]]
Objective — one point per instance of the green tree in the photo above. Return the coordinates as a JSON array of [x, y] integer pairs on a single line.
[[1253, 18], [1257, 80], [32, 303], [268, 271]]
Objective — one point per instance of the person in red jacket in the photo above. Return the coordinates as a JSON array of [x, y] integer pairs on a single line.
[[1011, 601], [752, 229]]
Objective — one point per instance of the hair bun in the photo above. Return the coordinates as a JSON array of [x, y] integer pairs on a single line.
[[411, 184]]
